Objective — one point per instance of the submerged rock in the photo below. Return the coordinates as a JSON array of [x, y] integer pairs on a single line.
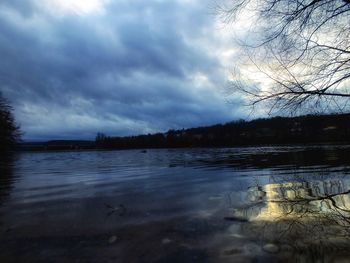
[[215, 197], [112, 239], [252, 249], [166, 241], [237, 236], [232, 251], [271, 248]]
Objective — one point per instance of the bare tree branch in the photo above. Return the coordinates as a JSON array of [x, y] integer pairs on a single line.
[[302, 47]]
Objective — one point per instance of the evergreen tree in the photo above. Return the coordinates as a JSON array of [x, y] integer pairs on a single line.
[[9, 131]]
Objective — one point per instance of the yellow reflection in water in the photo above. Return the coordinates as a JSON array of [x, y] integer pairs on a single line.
[[309, 220], [297, 200]]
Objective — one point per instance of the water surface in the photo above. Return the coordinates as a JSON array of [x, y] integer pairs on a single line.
[[266, 204]]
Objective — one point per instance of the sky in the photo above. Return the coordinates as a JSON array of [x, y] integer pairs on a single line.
[[72, 69]]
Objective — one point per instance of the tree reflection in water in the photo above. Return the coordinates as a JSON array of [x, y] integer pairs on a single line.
[[310, 219], [6, 175]]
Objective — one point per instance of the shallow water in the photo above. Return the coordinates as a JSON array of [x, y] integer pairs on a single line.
[[266, 204]]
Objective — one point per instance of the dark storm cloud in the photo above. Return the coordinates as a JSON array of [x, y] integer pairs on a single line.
[[135, 67]]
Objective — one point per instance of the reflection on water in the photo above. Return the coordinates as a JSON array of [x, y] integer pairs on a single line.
[[298, 200], [6, 175], [270, 204], [307, 219]]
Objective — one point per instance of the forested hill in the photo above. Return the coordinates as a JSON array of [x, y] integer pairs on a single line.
[[277, 130]]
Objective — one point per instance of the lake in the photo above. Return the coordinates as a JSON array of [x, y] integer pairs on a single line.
[[258, 204]]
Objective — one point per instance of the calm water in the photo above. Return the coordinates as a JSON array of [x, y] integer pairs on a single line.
[[270, 204]]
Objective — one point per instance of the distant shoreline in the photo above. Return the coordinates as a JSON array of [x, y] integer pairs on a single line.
[[43, 148], [278, 131]]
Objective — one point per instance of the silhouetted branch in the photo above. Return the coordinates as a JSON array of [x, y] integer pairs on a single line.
[[302, 47]]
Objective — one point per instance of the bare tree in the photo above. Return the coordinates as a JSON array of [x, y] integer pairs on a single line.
[[301, 46]]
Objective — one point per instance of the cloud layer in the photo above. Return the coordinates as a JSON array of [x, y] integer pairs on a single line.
[[121, 67]]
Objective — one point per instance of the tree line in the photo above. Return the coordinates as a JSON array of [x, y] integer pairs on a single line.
[[278, 130]]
